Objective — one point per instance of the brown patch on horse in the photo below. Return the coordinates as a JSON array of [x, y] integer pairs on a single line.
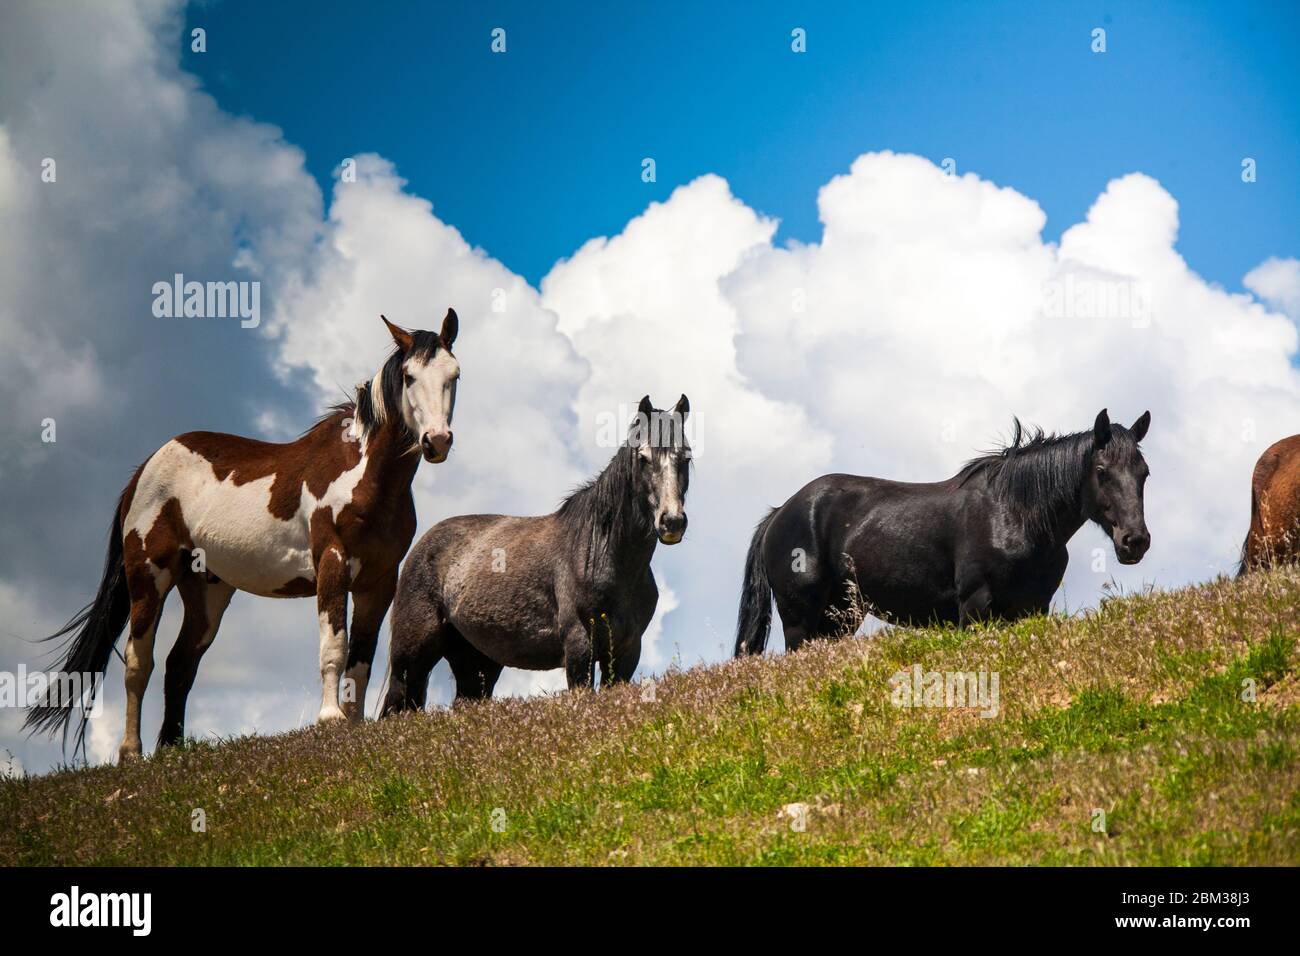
[[374, 527], [333, 580], [315, 460], [371, 507], [161, 544], [1274, 535]]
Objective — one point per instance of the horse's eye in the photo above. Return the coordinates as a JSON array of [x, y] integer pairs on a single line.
[[409, 380], [1101, 472]]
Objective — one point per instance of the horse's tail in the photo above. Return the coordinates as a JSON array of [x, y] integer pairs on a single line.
[[754, 619], [1255, 518], [91, 636]]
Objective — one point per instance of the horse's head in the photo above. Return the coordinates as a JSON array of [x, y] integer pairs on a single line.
[[1113, 485], [658, 442], [429, 373]]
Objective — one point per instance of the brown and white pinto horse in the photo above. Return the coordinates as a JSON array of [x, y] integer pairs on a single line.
[[1274, 535], [211, 514]]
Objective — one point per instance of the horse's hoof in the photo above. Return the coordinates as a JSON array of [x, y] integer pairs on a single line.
[[128, 754], [329, 715]]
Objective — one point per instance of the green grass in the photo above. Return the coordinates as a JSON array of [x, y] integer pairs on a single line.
[[1140, 711]]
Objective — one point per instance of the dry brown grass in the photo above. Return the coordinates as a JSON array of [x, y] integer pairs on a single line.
[[1134, 710]]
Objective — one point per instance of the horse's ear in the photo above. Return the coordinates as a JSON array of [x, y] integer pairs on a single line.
[[683, 406], [450, 326], [1101, 430], [1139, 428], [639, 431], [402, 337]]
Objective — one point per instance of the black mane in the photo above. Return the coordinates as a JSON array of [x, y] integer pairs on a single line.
[[1040, 472], [362, 405], [608, 511]]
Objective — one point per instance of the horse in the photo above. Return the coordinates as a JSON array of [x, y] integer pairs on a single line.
[[990, 542], [570, 589], [1274, 535], [326, 515]]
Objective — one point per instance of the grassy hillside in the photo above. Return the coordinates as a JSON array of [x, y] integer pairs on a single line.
[[1135, 710]]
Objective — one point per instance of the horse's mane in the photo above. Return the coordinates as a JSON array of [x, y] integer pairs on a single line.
[[605, 509], [374, 400], [1040, 472]]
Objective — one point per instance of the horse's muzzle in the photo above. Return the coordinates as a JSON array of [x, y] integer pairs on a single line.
[[1131, 546], [672, 528], [435, 448]]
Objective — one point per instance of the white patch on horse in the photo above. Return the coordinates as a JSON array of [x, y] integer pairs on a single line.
[[243, 543], [333, 658]]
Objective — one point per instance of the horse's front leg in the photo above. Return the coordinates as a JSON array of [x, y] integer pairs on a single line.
[[332, 581], [579, 656], [368, 610], [976, 602], [636, 617], [624, 664]]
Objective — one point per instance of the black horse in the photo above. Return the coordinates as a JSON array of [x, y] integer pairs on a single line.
[[571, 589], [987, 543]]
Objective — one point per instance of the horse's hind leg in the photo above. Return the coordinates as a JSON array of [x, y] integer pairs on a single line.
[[368, 610], [976, 602], [147, 585], [809, 596], [842, 615], [803, 615], [476, 674], [206, 600]]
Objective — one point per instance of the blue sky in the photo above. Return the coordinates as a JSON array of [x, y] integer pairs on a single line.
[[531, 153]]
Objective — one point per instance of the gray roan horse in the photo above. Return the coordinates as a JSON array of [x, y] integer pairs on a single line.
[[990, 542], [571, 589]]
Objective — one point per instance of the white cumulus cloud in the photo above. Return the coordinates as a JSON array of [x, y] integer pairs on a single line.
[[1277, 282]]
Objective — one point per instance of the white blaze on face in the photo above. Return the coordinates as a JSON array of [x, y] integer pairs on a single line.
[[429, 401], [665, 494]]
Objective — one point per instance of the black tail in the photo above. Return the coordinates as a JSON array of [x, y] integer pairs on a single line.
[[91, 636], [754, 619]]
